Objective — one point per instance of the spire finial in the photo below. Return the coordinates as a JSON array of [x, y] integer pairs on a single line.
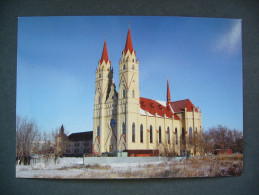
[[168, 95], [129, 24], [105, 36]]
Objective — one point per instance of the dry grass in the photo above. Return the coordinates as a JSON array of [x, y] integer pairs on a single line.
[[94, 166], [206, 166]]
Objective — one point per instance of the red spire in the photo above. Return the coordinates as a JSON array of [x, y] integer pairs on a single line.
[[128, 45], [168, 93], [104, 54]]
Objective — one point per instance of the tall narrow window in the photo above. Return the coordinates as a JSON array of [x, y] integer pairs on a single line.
[[124, 93], [159, 137], [190, 135], [100, 75], [168, 135], [133, 93], [133, 132], [141, 133], [151, 134], [98, 131], [183, 135], [123, 128], [124, 67], [176, 136], [190, 132], [99, 99]]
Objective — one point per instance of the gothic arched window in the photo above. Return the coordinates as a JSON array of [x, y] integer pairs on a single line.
[[124, 67], [159, 137], [168, 135], [176, 136], [124, 93], [190, 132], [100, 75], [133, 93], [133, 132], [123, 128], [98, 131], [151, 134], [141, 133]]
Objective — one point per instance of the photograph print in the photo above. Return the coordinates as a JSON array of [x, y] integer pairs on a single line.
[[129, 97]]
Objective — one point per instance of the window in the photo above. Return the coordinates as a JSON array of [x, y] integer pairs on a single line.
[[124, 93], [132, 60], [98, 131], [159, 137], [133, 132], [176, 136], [133, 93], [141, 133], [99, 100], [168, 135], [133, 67], [124, 67], [151, 134], [190, 132], [183, 135], [123, 128], [100, 75]]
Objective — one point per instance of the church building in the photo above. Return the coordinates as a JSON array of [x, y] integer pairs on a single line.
[[124, 121]]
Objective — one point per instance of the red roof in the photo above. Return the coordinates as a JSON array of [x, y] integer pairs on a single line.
[[104, 54], [179, 106], [153, 107], [128, 45]]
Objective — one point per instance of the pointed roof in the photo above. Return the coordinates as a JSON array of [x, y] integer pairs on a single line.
[[179, 106], [168, 96], [128, 45], [104, 54], [62, 129]]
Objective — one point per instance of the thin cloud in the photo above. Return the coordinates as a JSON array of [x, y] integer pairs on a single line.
[[230, 42]]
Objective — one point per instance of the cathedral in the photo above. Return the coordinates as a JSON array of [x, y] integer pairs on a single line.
[[124, 121]]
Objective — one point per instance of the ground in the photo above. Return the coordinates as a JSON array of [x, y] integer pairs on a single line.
[[206, 166]]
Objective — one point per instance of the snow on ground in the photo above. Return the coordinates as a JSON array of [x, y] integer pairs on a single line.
[[162, 168], [73, 167]]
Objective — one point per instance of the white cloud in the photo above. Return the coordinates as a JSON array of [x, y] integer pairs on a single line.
[[230, 42]]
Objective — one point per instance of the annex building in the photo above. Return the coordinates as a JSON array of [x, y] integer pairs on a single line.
[[124, 121]]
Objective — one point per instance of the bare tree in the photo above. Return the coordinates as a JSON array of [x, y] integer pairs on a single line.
[[26, 134], [221, 137]]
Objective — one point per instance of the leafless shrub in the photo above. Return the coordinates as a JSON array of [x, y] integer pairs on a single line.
[[26, 135]]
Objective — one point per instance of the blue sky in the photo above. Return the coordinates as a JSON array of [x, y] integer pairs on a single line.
[[57, 58]]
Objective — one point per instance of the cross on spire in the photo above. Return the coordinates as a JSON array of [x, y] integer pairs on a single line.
[[129, 24]]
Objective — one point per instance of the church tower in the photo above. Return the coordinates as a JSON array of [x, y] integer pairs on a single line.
[[103, 83], [128, 98]]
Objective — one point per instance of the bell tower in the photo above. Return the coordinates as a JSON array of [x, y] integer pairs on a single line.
[[103, 81], [128, 98]]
